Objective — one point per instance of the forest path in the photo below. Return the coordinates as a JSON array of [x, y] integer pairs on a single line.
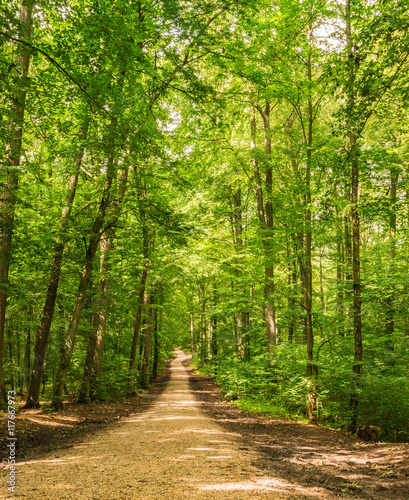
[[172, 451], [190, 444]]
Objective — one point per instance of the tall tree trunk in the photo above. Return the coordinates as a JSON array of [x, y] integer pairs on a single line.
[[150, 312], [139, 311], [99, 317], [237, 227], [203, 330], [356, 266], [192, 334], [390, 312], [27, 359], [269, 288], [156, 343], [13, 156], [266, 219], [93, 359], [82, 288], [340, 275], [49, 306], [299, 251], [311, 366], [214, 346]]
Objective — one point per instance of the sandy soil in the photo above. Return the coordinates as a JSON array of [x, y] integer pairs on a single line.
[[191, 444]]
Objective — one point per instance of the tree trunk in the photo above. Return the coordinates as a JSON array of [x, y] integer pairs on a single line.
[[150, 312], [292, 301], [156, 343], [265, 214], [203, 332], [93, 360], [269, 288], [13, 155], [27, 360], [390, 312], [99, 317], [311, 366], [356, 278], [237, 228], [192, 334], [82, 288], [340, 293], [49, 306], [138, 314]]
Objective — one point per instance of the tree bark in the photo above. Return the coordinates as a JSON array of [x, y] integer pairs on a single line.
[[99, 317], [13, 156], [340, 278], [150, 312], [27, 360], [192, 333], [353, 63], [266, 219], [139, 311], [85, 279], [390, 312], [93, 360], [156, 329], [237, 229], [203, 331], [311, 366]]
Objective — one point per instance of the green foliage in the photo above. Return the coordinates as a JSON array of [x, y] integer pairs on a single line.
[[167, 90]]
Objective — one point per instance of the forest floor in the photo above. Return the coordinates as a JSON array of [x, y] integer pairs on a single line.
[[184, 440]]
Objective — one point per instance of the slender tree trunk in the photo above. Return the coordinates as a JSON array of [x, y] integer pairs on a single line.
[[237, 227], [99, 317], [156, 330], [13, 156], [150, 312], [265, 214], [18, 372], [390, 312], [93, 360], [340, 276], [49, 306], [82, 288], [322, 294], [203, 333], [27, 360], [299, 253], [356, 266], [139, 311], [269, 288], [311, 366], [192, 333]]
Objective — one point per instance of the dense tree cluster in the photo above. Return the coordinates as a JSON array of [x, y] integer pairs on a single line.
[[227, 176]]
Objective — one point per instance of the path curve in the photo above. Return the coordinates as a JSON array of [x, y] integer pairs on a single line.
[[171, 451]]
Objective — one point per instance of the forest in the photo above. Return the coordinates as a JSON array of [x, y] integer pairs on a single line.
[[229, 177]]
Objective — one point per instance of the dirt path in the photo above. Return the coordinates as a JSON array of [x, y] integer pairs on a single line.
[[174, 450]]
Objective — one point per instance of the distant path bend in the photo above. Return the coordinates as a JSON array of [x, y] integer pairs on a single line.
[[173, 451]]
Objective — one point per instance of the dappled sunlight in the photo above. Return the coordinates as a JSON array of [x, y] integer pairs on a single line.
[[265, 484], [51, 423], [182, 457], [161, 419], [208, 431], [62, 460], [212, 449], [201, 449]]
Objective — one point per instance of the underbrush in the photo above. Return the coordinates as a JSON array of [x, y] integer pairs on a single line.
[[277, 388]]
